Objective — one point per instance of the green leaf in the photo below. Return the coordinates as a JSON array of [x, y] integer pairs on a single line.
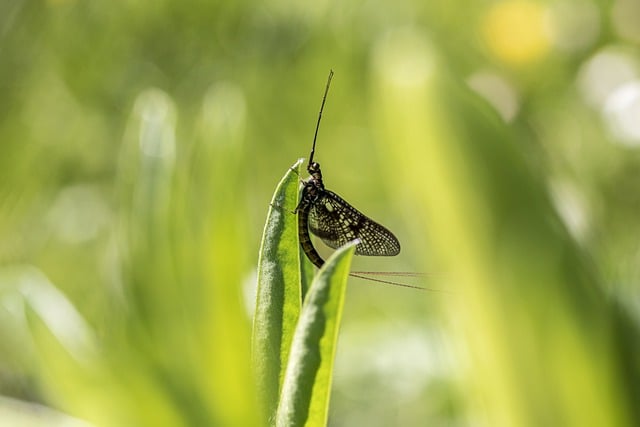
[[307, 383], [307, 271], [278, 298], [529, 311]]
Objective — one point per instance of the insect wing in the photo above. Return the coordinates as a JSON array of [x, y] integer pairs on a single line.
[[336, 223]]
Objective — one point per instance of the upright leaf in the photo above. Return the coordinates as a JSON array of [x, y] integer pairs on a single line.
[[278, 297], [307, 383]]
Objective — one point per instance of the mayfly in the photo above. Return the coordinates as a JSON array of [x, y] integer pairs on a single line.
[[336, 222]]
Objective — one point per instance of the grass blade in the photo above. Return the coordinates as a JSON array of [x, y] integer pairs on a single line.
[[278, 298], [307, 383]]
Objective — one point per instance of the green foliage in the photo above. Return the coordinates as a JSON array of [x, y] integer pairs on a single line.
[[294, 347], [279, 292], [139, 146], [307, 383], [518, 273]]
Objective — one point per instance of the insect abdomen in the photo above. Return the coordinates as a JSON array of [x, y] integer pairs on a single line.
[[305, 238]]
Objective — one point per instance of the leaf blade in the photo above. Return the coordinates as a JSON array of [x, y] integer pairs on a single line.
[[278, 296], [307, 384]]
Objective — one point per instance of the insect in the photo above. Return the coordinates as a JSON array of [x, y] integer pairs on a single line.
[[336, 222]]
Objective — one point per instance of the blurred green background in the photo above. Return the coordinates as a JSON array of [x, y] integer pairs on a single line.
[[140, 145]]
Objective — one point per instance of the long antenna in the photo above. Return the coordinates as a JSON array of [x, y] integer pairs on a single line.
[[315, 135]]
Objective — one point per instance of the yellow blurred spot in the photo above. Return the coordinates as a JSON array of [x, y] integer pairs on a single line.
[[516, 32]]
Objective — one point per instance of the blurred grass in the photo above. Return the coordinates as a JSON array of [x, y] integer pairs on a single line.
[[140, 145], [529, 304]]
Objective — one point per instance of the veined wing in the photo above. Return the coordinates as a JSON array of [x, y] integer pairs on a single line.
[[336, 222]]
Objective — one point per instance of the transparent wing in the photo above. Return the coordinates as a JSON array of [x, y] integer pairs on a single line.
[[336, 222]]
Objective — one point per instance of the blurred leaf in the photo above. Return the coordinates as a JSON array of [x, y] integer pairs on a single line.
[[278, 296], [25, 414], [307, 384], [215, 260], [529, 309]]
